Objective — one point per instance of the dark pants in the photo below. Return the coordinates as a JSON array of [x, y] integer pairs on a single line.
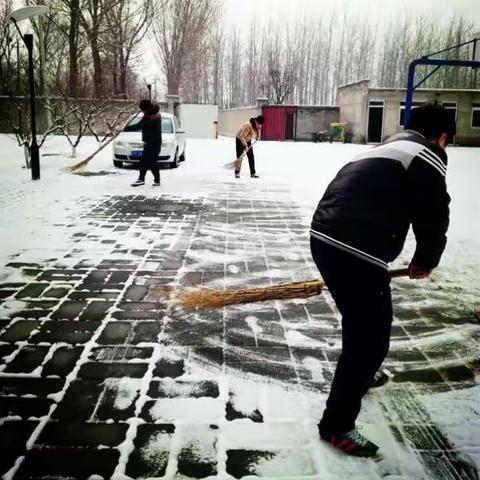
[[251, 159], [149, 161], [361, 292]]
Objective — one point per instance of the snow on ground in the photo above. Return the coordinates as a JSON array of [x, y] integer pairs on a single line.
[[32, 217]]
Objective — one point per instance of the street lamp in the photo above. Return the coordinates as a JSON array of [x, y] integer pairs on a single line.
[[15, 17]]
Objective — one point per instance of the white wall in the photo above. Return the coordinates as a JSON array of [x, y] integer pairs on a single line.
[[229, 121], [197, 120]]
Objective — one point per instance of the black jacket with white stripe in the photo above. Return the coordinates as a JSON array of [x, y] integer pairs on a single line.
[[368, 207]]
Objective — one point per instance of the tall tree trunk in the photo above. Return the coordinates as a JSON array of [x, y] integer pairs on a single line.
[[73, 48]]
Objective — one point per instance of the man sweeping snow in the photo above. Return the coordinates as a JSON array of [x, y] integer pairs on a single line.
[[359, 226], [151, 127]]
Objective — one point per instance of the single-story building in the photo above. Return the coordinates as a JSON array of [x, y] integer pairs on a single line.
[[374, 114]]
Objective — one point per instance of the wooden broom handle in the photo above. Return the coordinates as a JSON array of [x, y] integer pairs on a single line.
[[399, 272]]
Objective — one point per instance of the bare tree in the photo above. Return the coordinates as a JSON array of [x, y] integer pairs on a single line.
[[127, 25], [179, 29]]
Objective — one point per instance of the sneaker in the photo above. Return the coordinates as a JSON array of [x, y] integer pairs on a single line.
[[254, 175], [351, 443], [137, 183], [155, 184], [237, 175], [381, 378]]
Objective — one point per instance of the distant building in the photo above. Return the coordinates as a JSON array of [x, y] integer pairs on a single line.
[[374, 114]]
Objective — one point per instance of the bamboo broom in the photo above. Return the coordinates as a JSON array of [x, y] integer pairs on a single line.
[[209, 299], [237, 163]]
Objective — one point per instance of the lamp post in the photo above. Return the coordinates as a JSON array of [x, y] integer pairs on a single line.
[[15, 17]]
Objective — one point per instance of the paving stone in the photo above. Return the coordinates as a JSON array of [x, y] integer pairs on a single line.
[[70, 463], [28, 385], [429, 375], [117, 400], [146, 332], [79, 401], [115, 333], [198, 458], [56, 292], [105, 354], [96, 311], [24, 407], [195, 334], [91, 370], [19, 331], [96, 277], [41, 304], [169, 368], [27, 360], [4, 293], [231, 413], [119, 277], [152, 447], [65, 331], [278, 371], [294, 463], [458, 373], [177, 388], [32, 290], [213, 355], [30, 314], [84, 296], [68, 310], [6, 350], [81, 434], [13, 438], [135, 293], [62, 362]]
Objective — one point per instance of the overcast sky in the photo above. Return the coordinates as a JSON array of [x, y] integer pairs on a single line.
[[240, 11]]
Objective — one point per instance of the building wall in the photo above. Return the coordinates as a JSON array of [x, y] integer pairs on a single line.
[[229, 121], [314, 119], [466, 135], [353, 101], [198, 120]]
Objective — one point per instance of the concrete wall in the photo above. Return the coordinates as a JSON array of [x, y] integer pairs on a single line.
[[229, 121], [314, 119], [197, 120], [353, 101]]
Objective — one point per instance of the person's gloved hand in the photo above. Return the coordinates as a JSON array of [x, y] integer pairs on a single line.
[[415, 272]]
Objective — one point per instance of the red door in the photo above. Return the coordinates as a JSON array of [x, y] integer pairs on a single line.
[[279, 122], [274, 123]]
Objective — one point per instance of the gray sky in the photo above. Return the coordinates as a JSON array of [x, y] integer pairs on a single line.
[[240, 11]]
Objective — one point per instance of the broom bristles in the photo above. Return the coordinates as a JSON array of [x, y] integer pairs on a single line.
[[209, 299]]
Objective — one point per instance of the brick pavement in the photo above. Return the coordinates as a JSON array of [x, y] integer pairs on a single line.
[[98, 376]]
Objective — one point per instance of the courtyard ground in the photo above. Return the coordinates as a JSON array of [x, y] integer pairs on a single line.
[[100, 377]]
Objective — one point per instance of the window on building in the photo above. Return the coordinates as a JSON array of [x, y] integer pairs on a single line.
[[401, 118], [476, 115]]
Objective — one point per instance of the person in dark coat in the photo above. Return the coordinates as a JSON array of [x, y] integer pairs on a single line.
[[359, 226], [151, 127]]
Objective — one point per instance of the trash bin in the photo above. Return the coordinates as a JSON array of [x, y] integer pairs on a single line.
[[337, 131]]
